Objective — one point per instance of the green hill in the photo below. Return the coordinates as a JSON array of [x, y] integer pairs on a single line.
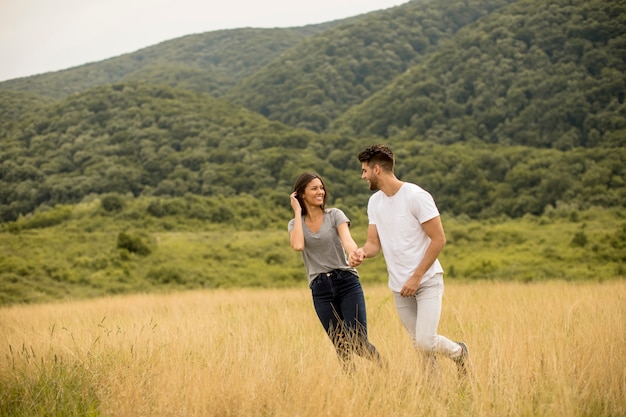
[[314, 83], [541, 74], [209, 62], [141, 139], [496, 107]]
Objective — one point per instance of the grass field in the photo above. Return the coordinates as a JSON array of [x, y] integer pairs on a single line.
[[540, 349], [82, 257]]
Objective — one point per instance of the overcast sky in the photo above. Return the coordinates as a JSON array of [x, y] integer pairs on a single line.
[[38, 36]]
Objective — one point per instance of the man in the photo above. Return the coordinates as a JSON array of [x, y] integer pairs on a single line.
[[404, 222]]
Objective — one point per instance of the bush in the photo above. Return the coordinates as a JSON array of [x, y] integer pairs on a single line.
[[112, 203], [156, 209], [132, 244], [42, 219], [579, 240], [166, 275]]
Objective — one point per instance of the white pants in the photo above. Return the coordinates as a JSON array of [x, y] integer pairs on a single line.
[[420, 316]]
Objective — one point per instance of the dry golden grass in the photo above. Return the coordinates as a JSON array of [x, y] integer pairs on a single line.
[[547, 349]]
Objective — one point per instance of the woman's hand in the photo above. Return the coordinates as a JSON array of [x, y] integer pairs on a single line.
[[295, 204], [356, 257]]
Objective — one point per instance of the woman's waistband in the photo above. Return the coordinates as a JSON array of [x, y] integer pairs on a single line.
[[334, 273]]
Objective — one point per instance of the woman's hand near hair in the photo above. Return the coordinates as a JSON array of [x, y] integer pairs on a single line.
[[295, 204], [296, 236]]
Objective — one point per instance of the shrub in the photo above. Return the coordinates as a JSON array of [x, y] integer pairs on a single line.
[[156, 209], [42, 219], [579, 240], [166, 275], [112, 203], [132, 244]]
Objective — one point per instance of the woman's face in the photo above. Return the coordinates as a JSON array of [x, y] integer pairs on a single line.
[[314, 193]]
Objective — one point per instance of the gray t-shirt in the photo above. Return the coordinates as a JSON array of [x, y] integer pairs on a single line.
[[323, 251]]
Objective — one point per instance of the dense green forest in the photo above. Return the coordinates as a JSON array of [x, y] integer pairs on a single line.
[[496, 107], [136, 172], [313, 84], [137, 139], [542, 74]]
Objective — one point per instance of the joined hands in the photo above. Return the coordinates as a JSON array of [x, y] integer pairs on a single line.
[[356, 257]]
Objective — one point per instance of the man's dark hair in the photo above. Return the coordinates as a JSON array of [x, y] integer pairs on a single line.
[[378, 155]]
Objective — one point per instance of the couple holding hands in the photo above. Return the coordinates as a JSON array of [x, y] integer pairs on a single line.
[[404, 223]]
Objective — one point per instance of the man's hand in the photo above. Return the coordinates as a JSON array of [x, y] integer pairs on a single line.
[[411, 286], [356, 257]]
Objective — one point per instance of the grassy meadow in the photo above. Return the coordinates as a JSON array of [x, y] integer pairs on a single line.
[[551, 348], [85, 251]]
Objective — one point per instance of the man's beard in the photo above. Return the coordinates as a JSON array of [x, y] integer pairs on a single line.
[[373, 185]]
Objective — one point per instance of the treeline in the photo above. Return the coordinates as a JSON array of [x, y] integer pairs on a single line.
[[486, 181], [142, 140]]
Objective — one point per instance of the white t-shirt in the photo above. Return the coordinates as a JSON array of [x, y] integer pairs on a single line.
[[398, 220]]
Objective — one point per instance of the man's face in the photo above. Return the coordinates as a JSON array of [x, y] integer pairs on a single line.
[[369, 175]]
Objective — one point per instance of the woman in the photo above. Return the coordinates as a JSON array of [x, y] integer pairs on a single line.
[[323, 236]]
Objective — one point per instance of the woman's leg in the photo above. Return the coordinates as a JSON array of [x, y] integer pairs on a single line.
[[329, 314], [353, 310]]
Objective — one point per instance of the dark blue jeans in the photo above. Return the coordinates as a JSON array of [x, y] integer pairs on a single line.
[[340, 305]]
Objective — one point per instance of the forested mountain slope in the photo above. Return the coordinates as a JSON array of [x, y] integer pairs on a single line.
[[536, 73], [208, 62], [144, 140], [312, 84], [496, 108], [19, 105], [303, 76], [140, 139]]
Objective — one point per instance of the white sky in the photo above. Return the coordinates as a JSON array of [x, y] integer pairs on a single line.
[[38, 36]]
